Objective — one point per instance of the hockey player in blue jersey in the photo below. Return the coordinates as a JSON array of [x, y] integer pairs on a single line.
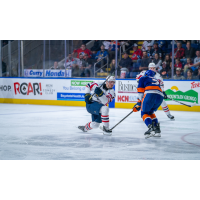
[[97, 105], [150, 97]]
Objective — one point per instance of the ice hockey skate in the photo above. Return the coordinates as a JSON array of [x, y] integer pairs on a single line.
[[82, 128], [106, 131], [171, 117], [150, 132], [157, 130]]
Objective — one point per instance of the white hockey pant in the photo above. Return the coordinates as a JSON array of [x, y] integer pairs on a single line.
[[105, 116], [165, 107]]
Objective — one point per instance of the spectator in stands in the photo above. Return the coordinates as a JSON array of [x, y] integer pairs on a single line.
[[144, 62], [196, 61], [80, 61], [97, 45], [101, 54], [137, 54], [150, 51], [75, 69], [178, 63], [164, 72], [82, 64], [198, 74], [106, 44], [178, 75], [112, 68], [111, 49], [167, 61], [93, 55], [146, 43], [179, 52], [189, 52], [190, 75], [82, 50], [88, 65], [157, 62], [69, 61], [162, 44], [188, 65], [157, 50], [125, 62], [55, 66]]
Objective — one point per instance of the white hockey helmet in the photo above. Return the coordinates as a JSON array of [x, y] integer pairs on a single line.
[[152, 65], [112, 78]]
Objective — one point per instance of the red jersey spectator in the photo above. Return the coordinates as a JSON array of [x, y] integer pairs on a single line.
[[82, 50], [179, 52], [178, 63], [137, 54]]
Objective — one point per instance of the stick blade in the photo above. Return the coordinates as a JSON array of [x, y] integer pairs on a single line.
[[194, 104]]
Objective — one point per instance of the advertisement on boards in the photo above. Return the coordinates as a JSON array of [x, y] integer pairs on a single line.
[[126, 91], [48, 73]]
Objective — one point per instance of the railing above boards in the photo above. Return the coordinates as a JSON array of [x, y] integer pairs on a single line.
[[102, 66]]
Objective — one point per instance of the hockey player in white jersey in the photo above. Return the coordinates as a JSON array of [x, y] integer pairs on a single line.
[[160, 79], [97, 105]]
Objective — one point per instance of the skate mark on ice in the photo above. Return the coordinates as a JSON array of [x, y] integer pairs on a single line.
[[183, 139]]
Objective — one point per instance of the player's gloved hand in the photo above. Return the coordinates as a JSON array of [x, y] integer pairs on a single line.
[[87, 98], [165, 96], [137, 106], [98, 91]]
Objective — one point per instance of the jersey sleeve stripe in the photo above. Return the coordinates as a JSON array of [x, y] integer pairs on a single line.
[[141, 90], [153, 88], [93, 85]]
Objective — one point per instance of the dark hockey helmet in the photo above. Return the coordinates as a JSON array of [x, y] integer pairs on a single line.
[[150, 73]]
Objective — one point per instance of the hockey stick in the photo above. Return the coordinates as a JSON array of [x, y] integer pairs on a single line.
[[121, 120], [100, 86], [182, 103]]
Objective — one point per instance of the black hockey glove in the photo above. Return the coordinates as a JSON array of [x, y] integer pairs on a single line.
[[87, 98], [98, 91], [165, 96]]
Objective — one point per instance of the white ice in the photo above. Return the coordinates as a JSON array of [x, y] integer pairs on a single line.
[[35, 132]]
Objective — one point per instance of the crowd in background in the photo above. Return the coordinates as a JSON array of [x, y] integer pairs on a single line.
[[134, 56], [134, 59]]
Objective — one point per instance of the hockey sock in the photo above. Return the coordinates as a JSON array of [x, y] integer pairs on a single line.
[[105, 120], [154, 119], [91, 125], [165, 108], [88, 127], [147, 119]]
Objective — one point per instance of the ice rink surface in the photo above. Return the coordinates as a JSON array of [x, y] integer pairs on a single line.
[[35, 132]]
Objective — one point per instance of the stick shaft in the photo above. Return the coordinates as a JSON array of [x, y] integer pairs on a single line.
[[101, 85], [179, 102], [121, 120]]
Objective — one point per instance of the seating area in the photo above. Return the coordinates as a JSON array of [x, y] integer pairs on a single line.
[[164, 48]]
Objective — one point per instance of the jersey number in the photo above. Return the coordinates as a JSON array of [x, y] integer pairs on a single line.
[[155, 81]]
